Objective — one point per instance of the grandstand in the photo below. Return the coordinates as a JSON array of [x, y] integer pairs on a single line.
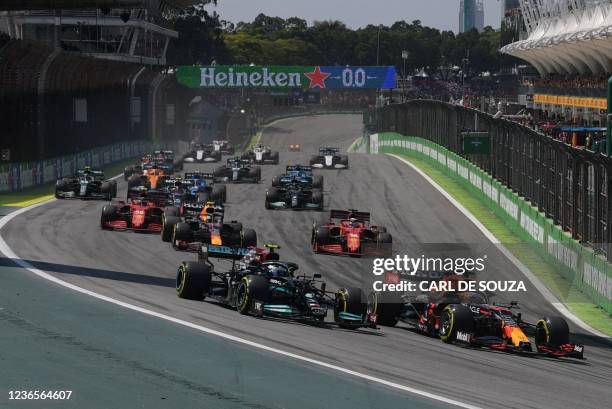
[[569, 42]]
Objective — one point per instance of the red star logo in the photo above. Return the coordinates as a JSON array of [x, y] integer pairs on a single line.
[[317, 78]]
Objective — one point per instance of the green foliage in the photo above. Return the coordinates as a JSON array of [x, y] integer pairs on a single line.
[[274, 40]]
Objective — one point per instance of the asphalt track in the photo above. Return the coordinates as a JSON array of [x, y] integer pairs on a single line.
[[63, 238]]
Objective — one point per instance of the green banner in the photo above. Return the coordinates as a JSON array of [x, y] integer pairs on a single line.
[[476, 143]]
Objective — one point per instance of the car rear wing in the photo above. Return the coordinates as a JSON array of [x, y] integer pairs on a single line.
[[299, 168], [350, 214], [329, 149], [199, 175], [232, 253], [160, 198]]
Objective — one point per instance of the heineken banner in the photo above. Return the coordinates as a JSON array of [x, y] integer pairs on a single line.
[[224, 76]]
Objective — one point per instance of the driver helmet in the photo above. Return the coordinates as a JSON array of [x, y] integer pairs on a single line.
[[354, 222], [277, 270]]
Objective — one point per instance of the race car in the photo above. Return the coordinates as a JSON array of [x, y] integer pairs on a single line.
[[200, 184], [300, 174], [203, 154], [137, 168], [468, 318], [329, 158], [294, 196], [151, 178], [141, 213], [164, 159], [87, 183], [237, 170], [295, 147], [349, 232], [261, 154], [208, 227], [261, 285], [224, 147]]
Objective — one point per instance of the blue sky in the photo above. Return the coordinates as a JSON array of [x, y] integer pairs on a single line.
[[442, 14]]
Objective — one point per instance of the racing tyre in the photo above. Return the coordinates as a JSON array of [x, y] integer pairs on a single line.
[[387, 307], [182, 232], [255, 174], [314, 160], [60, 186], [552, 331], [317, 182], [108, 214], [193, 280], [271, 196], [134, 181], [219, 172], [107, 190], [385, 238], [349, 300], [168, 227], [344, 161], [216, 155], [171, 211], [251, 289], [317, 197], [455, 318], [274, 157], [219, 194], [276, 181], [249, 238], [321, 235]]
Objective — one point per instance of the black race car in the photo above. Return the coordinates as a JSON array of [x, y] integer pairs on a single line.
[[294, 196], [191, 227], [261, 154], [467, 317], [203, 154], [261, 285], [329, 158], [87, 183], [301, 174], [224, 147], [237, 170]]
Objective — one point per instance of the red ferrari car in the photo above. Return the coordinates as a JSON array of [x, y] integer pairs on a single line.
[[349, 232], [138, 214]]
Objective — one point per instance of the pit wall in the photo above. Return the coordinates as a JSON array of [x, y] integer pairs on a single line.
[[578, 264]]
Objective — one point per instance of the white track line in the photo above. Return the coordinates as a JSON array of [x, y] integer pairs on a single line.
[[548, 296], [9, 253]]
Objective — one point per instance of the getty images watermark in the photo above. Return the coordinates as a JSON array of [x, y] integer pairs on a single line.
[[410, 274]]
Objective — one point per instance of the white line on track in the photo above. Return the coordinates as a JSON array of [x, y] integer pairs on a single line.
[[548, 296], [9, 253]]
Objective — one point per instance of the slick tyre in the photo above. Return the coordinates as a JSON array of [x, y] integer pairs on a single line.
[[134, 181], [182, 232], [60, 186], [349, 300], [271, 197], [193, 280], [108, 214], [321, 235], [387, 307], [168, 227], [274, 158], [255, 174], [317, 197], [249, 238], [552, 331], [455, 318], [251, 289], [107, 190]]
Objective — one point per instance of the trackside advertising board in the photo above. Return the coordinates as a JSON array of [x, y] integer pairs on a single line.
[[278, 77], [576, 263]]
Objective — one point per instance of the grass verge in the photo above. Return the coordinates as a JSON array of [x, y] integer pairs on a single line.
[[572, 298], [37, 194]]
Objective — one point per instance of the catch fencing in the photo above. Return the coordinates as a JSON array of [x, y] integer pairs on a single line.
[[578, 265], [568, 185]]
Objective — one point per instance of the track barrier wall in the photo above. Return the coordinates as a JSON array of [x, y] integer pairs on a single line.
[[19, 176], [586, 271]]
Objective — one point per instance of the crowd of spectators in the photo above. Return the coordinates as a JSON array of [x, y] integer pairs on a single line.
[[599, 81]]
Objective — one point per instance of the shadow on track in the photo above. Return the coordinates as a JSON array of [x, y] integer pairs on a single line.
[[95, 273]]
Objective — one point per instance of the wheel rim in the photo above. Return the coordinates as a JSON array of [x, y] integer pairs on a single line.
[[242, 295], [180, 279], [446, 324]]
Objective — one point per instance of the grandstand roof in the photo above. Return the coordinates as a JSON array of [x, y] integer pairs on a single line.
[[566, 36]]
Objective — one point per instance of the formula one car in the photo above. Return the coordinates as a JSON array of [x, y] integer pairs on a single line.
[[261, 285], [203, 154], [140, 213], [295, 147], [207, 227], [86, 184], [151, 178], [237, 170], [261, 154], [348, 232], [294, 196], [467, 317], [300, 174], [329, 158], [224, 147], [164, 159]]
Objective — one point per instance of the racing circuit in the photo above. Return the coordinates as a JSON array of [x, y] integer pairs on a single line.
[[65, 240]]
